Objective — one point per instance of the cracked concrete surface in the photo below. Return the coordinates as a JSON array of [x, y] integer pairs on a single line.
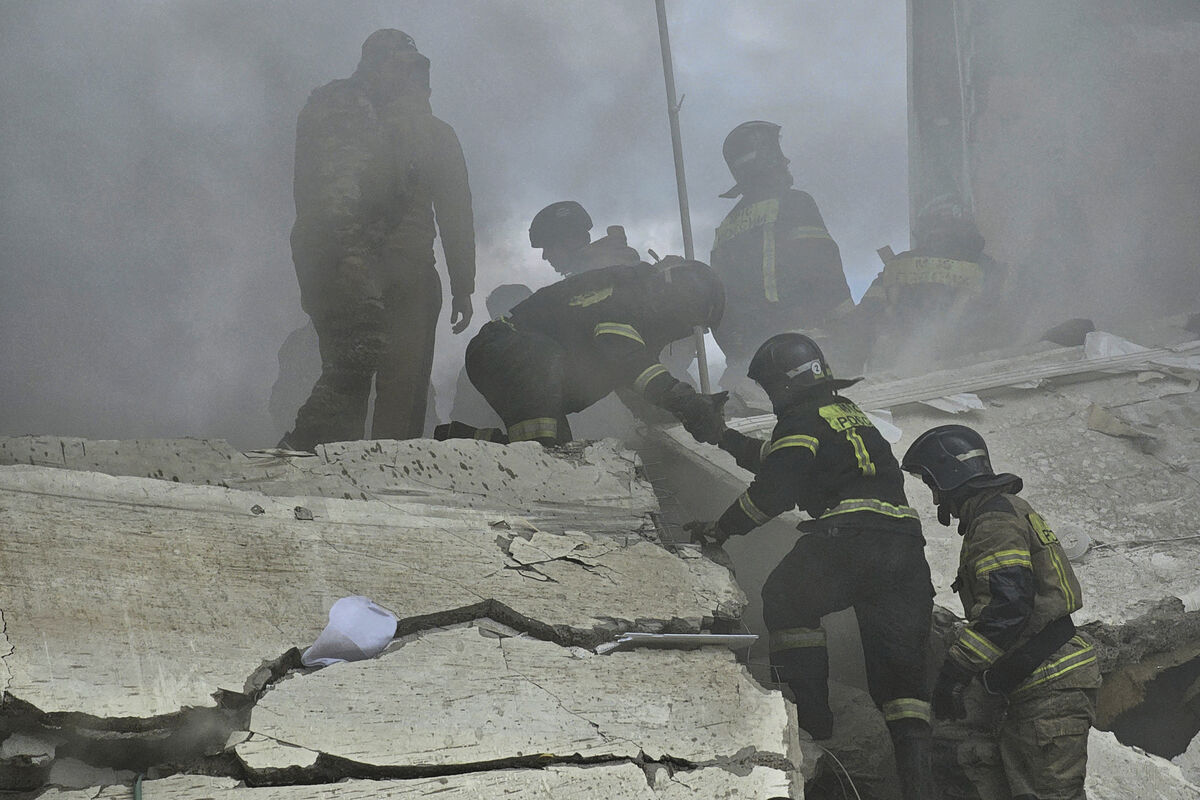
[[143, 616], [461, 697]]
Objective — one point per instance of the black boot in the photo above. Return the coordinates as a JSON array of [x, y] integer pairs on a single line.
[[806, 671], [912, 741]]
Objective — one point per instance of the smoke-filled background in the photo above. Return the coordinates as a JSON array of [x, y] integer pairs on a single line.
[[146, 157], [146, 152]]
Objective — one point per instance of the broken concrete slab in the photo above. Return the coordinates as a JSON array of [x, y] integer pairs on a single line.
[[462, 697], [1117, 772], [621, 781], [589, 486], [133, 597]]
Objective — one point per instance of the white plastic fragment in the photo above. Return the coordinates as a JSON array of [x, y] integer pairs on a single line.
[[357, 629], [956, 403], [882, 420]]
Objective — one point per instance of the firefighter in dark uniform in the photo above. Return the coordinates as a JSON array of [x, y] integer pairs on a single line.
[[573, 342], [940, 298], [782, 270], [1032, 676], [562, 231], [863, 548]]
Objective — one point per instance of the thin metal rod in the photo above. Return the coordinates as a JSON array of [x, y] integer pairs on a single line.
[[685, 217]]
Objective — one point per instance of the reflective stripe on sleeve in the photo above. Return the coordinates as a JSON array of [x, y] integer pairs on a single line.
[[793, 638], [1001, 559], [537, 428], [905, 708], [750, 510], [648, 374], [797, 440], [618, 329], [974, 651]]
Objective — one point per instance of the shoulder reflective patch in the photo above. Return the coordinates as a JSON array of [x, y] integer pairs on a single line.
[[807, 442], [591, 298], [755, 215], [913, 270], [1044, 534], [618, 329], [844, 416]]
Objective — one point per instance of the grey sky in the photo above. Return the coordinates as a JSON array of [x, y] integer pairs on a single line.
[[146, 163]]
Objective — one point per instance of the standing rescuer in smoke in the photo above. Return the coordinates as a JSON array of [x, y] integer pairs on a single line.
[[1037, 677], [373, 167], [573, 342], [782, 269], [863, 548]]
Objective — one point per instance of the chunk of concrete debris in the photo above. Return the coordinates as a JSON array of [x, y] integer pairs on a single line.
[[456, 697], [132, 597], [583, 485], [1117, 772], [619, 781]]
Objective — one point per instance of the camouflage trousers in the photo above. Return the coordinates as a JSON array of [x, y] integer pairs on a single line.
[[1032, 745]]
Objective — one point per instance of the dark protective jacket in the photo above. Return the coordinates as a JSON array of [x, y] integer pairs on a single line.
[[368, 183], [827, 458], [1014, 579], [607, 251], [613, 322], [776, 250]]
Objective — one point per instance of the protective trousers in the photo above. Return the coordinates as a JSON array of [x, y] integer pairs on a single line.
[[389, 339], [1030, 745], [884, 576], [522, 375]]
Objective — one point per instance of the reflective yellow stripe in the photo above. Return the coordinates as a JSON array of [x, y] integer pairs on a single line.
[[750, 510], [648, 374], [860, 453], [618, 329], [974, 649], [874, 506], [537, 428], [809, 232], [505, 319], [1085, 655], [763, 449], [797, 440], [1001, 559], [793, 638], [768, 263], [905, 708], [486, 434]]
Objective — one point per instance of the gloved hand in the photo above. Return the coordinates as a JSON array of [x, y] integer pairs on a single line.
[[703, 416], [706, 533], [949, 691]]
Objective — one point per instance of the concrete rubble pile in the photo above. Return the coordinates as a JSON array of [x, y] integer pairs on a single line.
[[1105, 437], [157, 594]]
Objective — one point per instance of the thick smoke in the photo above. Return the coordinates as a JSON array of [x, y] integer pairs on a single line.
[[146, 159]]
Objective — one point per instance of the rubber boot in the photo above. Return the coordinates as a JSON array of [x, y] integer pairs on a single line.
[[912, 742], [806, 671]]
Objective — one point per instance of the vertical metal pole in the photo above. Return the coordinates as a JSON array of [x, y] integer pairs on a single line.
[[685, 218]]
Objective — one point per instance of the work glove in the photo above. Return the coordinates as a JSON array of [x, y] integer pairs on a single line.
[[706, 533], [950, 690], [703, 415]]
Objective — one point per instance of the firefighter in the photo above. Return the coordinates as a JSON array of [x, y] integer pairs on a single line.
[[562, 231], [940, 298], [1032, 677], [863, 548], [373, 169], [782, 270], [573, 342]]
